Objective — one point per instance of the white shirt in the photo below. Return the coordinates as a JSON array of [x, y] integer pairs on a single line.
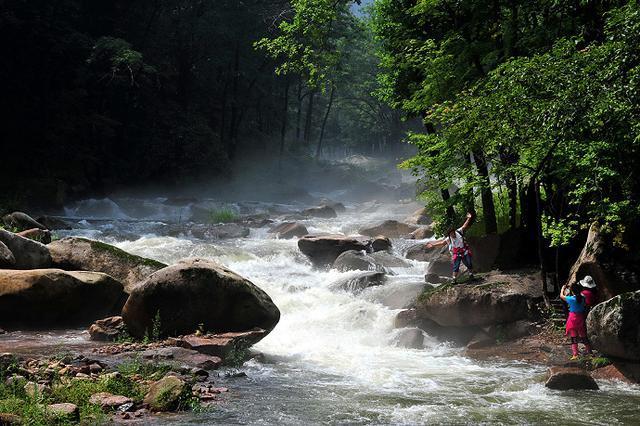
[[457, 241]]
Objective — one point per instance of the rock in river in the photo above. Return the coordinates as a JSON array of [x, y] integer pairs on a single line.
[[390, 229], [194, 292], [614, 326], [321, 211], [324, 249], [288, 230], [566, 378], [501, 298], [74, 253], [353, 260], [28, 254], [52, 297]]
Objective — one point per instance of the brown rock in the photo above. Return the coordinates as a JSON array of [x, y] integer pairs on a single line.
[[390, 229], [194, 292], [107, 329], [74, 253], [36, 234], [108, 401], [21, 221], [565, 378], [7, 419], [422, 233], [288, 230], [220, 345], [419, 217], [381, 243], [324, 249], [50, 297], [423, 254], [621, 371]]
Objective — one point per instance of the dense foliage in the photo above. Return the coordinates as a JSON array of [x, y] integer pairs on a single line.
[[531, 108], [100, 94]]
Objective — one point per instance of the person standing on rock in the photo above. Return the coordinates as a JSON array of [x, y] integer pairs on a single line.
[[458, 247], [576, 321]]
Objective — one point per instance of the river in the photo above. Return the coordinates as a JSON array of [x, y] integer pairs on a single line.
[[334, 358]]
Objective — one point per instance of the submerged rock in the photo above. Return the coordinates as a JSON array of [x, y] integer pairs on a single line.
[[28, 254], [361, 281], [21, 221], [325, 212], [194, 293], [566, 378], [381, 243], [324, 249], [74, 253], [288, 230], [411, 338], [501, 298], [390, 229], [353, 260], [614, 326], [51, 297]]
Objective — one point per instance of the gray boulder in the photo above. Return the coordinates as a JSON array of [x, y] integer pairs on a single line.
[[324, 249], [570, 378], [74, 253], [360, 281], [21, 221], [614, 326], [390, 229], [325, 212], [197, 292], [28, 254]]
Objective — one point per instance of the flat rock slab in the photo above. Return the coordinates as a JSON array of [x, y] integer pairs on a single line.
[[184, 356], [567, 378], [220, 345], [107, 400]]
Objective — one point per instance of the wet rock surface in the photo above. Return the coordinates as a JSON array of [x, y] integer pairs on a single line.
[[570, 378], [28, 254], [323, 250], [614, 326]]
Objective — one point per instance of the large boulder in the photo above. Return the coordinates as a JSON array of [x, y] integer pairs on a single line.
[[325, 212], [570, 378], [421, 233], [485, 251], [288, 230], [614, 326], [324, 249], [388, 260], [501, 298], [7, 260], [21, 221], [52, 297], [353, 260], [28, 254], [440, 265], [390, 229], [54, 223], [597, 259], [194, 293], [74, 253], [380, 243]]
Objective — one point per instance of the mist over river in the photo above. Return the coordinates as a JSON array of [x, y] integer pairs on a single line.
[[334, 357]]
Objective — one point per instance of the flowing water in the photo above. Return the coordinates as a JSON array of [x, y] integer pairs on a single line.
[[334, 358]]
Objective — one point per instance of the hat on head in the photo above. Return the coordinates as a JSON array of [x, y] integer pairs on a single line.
[[587, 282]]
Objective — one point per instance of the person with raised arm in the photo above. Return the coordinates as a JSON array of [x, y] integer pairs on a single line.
[[458, 247]]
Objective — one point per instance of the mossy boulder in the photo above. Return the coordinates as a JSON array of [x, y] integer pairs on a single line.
[[197, 292], [614, 326], [43, 298], [166, 394], [75, 253]]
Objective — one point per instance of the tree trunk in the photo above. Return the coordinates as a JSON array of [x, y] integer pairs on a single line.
[[283, 128], [488, 207], [324, 122], [309, 119]]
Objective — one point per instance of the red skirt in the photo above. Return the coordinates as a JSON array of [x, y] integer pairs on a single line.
[[576, 326]]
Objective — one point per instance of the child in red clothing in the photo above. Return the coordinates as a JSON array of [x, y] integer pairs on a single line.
[[576, 322]]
